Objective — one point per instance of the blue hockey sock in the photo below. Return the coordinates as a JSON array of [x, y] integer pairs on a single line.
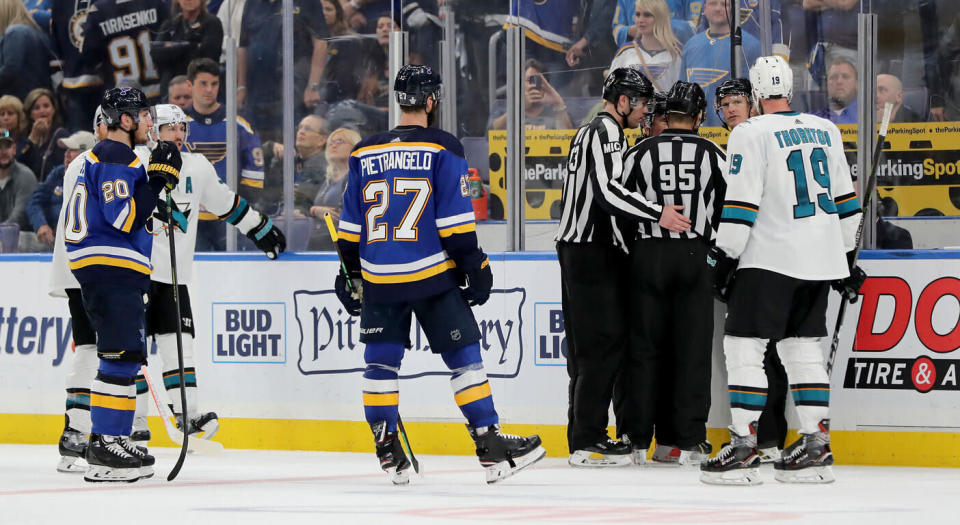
[[471, 390], [381, 386], [113, 398]]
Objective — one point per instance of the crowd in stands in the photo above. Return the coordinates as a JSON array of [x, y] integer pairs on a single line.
[[57, 58]]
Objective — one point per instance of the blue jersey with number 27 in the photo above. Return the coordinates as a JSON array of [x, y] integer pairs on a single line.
[[407, 222]]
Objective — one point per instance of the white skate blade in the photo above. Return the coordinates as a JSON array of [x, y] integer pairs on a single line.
[[742, 476], [691, 459], [401, 477], [207, 431], [810, 475], [639, 457], [72, 465], [146, 472], [501, 471], [585, 459], [97, 473]]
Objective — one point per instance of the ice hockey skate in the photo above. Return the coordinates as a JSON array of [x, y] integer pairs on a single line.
[[665, 456], [393, 460], [73, 452], [769, 454], [141, 432], [736, 464], [808, 459], [109, 460], [503, 455], [208, 424], [146, 460], [695, 455], [606, 453]]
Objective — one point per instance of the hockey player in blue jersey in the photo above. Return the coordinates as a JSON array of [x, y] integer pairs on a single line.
[[108, 240], [706, 56], [408, 238]]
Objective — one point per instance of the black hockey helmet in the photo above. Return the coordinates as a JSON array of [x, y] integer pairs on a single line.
[[658, 104], [626, 81], [686, 98], [122, 100], [733, 86], [415, 84]]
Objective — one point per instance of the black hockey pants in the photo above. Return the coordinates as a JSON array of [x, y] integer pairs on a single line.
[[671, 339], [594, 309]]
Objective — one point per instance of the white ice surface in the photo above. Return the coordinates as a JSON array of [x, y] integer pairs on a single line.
[[266, 487]]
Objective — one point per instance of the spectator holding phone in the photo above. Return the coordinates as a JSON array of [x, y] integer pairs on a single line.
[[543, 107]]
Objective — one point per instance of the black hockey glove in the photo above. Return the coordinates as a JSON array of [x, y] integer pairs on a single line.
[[350, 299], [849, 287], [479, 283], [723, 269], [162, 215], [268, 237], [165, 164]]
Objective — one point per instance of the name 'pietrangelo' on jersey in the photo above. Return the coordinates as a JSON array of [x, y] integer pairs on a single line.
[[407, 221]]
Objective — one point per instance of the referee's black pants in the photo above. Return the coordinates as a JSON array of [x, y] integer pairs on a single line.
[[671, 338], [594, 295]]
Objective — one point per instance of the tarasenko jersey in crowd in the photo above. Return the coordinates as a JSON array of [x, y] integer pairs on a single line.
[[679, 167], [67, 18], [790, 206], [117, 35], [407, 222], [706, 61], [208, 136], [105, 236], [198, 186], [593, 193]]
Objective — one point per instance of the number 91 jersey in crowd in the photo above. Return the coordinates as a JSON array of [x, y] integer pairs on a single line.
[[407, 221], [117, 35], [790, 205], [105, 239]]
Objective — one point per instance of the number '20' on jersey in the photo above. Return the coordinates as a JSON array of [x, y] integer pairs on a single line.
[[407, 223], [105, 221]]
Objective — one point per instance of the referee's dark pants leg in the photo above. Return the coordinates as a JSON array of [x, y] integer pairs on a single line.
[[672, 334], [593, 278], [772, 426]]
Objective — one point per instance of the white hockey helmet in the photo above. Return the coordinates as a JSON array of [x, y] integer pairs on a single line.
[[170, 114], [771, 77]]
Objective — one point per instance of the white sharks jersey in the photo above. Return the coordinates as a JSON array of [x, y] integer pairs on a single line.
[[61, 278], [199, 185], [790, 205]]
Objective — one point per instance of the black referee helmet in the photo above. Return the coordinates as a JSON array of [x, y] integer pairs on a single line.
[[626, 81], [415, 84], [686, 98]]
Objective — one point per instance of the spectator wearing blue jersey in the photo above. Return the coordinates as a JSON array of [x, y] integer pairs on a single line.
[[191, 33], [44, 206], [24, 51], [842, 104], [40, 11], [706, 56], [625, 29]]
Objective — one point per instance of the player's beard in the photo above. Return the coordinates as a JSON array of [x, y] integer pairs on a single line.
[[432, 116]]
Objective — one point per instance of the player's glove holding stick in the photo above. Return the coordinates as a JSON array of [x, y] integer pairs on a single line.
[[479, 282], [165, 164], [849, 287], [349, 286], [724, 268]]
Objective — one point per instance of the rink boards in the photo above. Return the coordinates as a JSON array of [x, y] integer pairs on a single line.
[[281, 362]]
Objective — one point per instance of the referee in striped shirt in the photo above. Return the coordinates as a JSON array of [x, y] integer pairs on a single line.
[[593, 265], [671, 316]]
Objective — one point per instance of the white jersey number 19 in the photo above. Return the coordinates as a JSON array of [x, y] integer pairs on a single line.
[[821, 175]]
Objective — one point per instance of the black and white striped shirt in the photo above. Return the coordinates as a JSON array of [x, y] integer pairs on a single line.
[[593, 191], [679, 167]]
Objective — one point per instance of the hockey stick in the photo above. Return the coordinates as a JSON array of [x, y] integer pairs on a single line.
[[200, 446], [333, 235], [870, 188], [176, 302]]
